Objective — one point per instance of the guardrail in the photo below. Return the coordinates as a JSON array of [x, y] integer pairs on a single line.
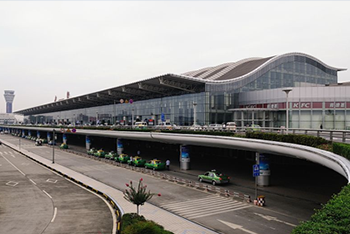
[[329, 134]]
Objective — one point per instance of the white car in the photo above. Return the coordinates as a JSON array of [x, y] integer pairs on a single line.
[[215, 127], [231, 126], [165, 126]]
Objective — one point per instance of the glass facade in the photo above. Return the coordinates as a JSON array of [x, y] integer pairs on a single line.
[[215, 105]]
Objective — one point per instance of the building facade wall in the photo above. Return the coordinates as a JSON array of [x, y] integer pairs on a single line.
[[221, 98]]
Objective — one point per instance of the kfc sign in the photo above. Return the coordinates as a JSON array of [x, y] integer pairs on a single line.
[[272, 106], [301, 105]]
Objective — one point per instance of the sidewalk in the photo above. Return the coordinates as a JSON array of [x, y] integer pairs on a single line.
[[169, 221]]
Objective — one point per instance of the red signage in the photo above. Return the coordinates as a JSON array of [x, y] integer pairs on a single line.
[[335, 104]]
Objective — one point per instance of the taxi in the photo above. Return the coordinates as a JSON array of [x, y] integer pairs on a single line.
[[137, 161], [111, 155], [155, 164], [100, 153], [123, 158], [214, 177]]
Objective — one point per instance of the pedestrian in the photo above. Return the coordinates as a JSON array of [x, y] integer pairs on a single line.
[[131, 162], [138, 153], [167, 164]]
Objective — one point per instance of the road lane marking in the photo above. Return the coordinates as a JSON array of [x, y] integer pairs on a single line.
[[199, 208], [235, 226], [12, 183], [271, 218], [54, 215], [32, 181], [47, 194], [51, 181], [13, 165]]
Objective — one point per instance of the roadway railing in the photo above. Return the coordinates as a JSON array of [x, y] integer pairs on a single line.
[[328, 134]]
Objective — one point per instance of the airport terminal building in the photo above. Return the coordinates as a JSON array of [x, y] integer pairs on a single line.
[[250, 91]]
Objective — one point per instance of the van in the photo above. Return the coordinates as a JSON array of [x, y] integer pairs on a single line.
[[231, 126], [164, 126]]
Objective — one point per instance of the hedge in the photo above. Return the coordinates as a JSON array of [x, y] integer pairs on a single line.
[[133, 223], [332, 218], [342, 149], [290, 138]]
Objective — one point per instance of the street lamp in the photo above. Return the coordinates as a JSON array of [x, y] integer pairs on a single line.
[[287, 104], [53, 145], [194, 113]]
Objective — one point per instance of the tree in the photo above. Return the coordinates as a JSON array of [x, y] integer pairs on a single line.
[[139, 196]]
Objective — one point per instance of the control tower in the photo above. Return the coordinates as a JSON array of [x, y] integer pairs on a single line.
[[9, 96]]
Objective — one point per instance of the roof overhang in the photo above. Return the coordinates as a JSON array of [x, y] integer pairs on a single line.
[[156, 87]]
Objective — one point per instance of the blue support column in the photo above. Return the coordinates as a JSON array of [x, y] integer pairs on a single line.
[[120, 147], [264, 165], [64, 138], [184, 157], [88, 143]]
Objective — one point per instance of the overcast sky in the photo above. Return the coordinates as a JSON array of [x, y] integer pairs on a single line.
[[50, 47]]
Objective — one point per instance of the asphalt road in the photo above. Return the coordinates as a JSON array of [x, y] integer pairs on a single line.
[[35, 200], [286, 206]]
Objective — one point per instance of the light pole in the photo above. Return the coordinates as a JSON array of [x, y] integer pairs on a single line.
[[114, 114], [96, 117], [287, 104], [132, 118], [194, 113], [53, 145]]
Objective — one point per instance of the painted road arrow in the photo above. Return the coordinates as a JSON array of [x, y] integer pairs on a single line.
[[271, 218], [235, 226]]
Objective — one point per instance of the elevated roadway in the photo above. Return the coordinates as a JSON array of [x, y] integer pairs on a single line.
[[223, 216], [325, 158]]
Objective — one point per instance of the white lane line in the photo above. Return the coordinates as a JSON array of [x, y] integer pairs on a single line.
[[47, 194], [32, 181], [54, 215], [13, 165]]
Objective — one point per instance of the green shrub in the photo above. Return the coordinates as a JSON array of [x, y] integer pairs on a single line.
[[341, 149], [133, 223], [332, 218], [290, 138]]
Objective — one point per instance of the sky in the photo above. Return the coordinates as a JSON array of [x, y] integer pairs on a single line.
[[50, 47]]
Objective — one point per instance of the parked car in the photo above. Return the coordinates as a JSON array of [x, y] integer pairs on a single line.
[[38, 142], [100, 153], [91, 151], [137, 161], [111, 155], [164, 126], [196, 127], [123, 158], [63, 146], [155, 164], [215, 127], [214, 177], [140, 125], [231, 126]]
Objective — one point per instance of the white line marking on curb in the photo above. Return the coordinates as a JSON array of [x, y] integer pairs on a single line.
[[32, 181], [47, 194], [54, 215], [14, 166]]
